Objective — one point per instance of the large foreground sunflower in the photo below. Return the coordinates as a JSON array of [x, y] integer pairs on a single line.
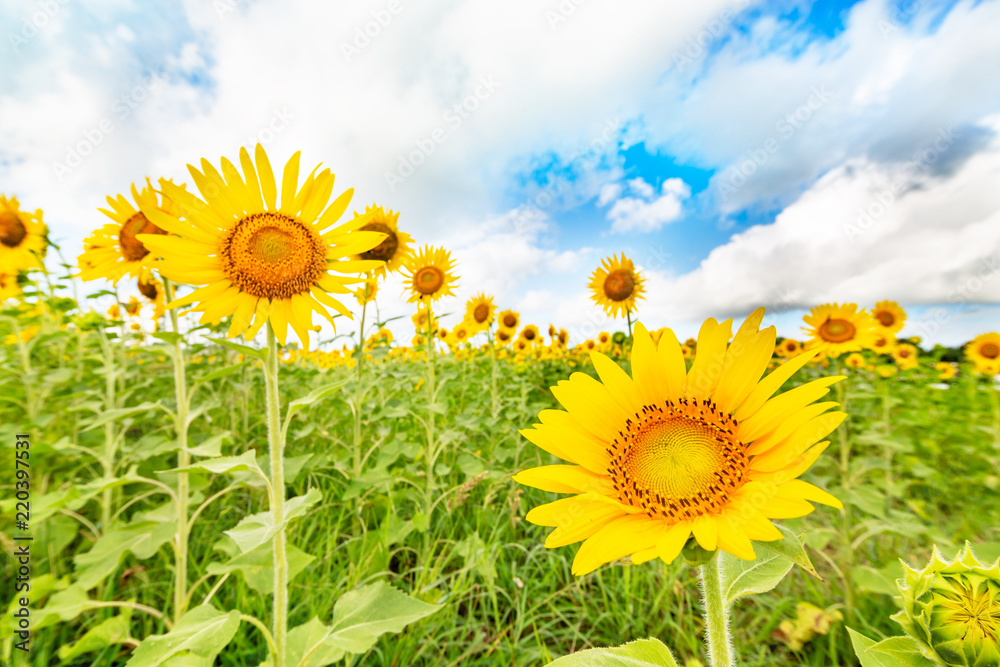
[[984, 352], [394, 248], [667, 454], [114, 250], [616, 285], [888, 316], [22, 237], [429, 274], [836, 329], [259, 258]]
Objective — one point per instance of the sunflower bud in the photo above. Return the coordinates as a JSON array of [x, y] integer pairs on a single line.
[[953, 610]]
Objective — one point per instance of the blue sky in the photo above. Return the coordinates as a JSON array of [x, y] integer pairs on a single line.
[[742, 153]]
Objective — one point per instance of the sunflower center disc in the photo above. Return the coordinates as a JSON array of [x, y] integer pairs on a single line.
[[132, 248], [385, 250], [428, 280], [837, 331], [618, 285], [12, 230], [273, 256], [886, 318], [990, 350], [481, 312], [678, 462], [529, 334], [509, 321], [148, 290]]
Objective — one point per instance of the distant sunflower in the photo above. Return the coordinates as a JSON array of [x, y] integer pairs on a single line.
[[393, 249], [503, 336], [888, 316], [562, 337], [855, 360], [604, 338], [260, 259], [837, 329], [668, 454], [984, 352], [509, 320], [366, 292], [788, 348], [429, 274], [22, 237], [883, 343], [616, 286], [113, 250], [152, 289], [9, 287], [946, 370], [529, 334], [906, 356], [479, 310]]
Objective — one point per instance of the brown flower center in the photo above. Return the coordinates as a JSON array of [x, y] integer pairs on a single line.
[[678, 461], [618, 285], [132, 248], [428, 280], [273, 256], [529, 334], [12, 230], [148, 290], [837, 331], [385, 250], [990, 350], [885, 318], [510, 320], [481, 312]]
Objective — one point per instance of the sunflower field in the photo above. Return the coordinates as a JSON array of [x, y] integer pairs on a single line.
[[194, 472]]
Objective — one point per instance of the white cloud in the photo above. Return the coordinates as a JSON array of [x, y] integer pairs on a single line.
[[646, 212]]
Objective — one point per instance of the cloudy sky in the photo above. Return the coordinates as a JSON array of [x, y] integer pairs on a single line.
[[741, 153]]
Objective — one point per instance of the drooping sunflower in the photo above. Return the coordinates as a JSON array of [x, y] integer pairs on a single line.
[[152, 289], [22, 237], [393, 249], [984, 352], [261, 259], [837, 329], [616, 285], [509, 320], [888, 316], [114, 250], [666, 453], [429, 274], [479, 311]]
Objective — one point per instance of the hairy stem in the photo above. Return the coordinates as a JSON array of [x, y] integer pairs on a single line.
[[183, 460], [717, 633], [277, 447]]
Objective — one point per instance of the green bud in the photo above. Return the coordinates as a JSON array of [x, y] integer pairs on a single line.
[[952, 609]]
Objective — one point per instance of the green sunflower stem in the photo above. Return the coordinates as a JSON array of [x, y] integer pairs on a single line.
[[717, 633], [359, 393], [183, 460], [494, 396], [430, 454], [628, 318], [847, 555], [277, 450], [995, 402], [110, 438]]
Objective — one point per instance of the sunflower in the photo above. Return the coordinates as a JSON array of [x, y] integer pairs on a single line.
[[367, 291], [667, 454], [152, 289], [423, 321], [855, 360], [261, 259], [429, 274], [788, 348], [604, 338], [946, 370], [905, 356], [529, 334], [616, 285], [509, 320], [883, 343], [393, 249], [479, 311], [838, 329], [888, 316], [22, 236], [562, 337], [984, 352], [503, 336], [687, 351], [114, 250], [9, 287]]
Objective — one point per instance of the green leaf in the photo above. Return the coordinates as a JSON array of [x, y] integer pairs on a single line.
[[223, 372], [245, 462], [201, 633], [142, 538], [773, 562], [211, 446], [640, 653], [117, 414], [307, 647], [257, 566], [168, 336], [257, 529], [111, 631], [892, 652], [361, 616], [312, 397], [236, 347], [65, 605]]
